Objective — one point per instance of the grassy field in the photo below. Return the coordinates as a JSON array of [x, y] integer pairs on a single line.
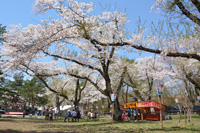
[[103, 125]]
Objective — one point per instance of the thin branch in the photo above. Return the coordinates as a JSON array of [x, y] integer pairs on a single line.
[[93, 83], [45, 83]]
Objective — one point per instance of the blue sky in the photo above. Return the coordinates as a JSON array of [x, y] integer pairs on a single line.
[[20, 11]]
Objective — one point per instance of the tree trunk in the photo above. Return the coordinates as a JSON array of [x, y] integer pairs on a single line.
[[117, 111], [76, 103], [58, 104], [185, 115], [179, 113], [108, 100]]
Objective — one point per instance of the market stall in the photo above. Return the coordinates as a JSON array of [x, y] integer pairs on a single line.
[[148, 110]]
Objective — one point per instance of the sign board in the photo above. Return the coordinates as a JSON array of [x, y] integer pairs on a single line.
[[130, 105], [113, 97], [198, 98], [88, 101], [176, 100], [160, 88]]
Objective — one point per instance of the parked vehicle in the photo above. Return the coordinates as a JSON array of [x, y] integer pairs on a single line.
[[196, 109], [2, 111], [173, 109]]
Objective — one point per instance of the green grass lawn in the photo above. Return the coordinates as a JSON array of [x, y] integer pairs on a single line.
[[103, 125]]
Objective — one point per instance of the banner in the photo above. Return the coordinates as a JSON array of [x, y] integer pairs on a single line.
[[131, 105], [144, 105]]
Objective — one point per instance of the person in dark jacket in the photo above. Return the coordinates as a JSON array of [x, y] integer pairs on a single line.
[[51, 115], [47, 114], [129, 114]]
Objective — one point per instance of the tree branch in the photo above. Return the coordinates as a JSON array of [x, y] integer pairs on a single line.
[[156, 51], [121, 80], [197, 4], [110, 57], [44, 82], [75, 61], [186, 12]]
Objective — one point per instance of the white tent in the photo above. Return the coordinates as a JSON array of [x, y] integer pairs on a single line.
[[65, 107]]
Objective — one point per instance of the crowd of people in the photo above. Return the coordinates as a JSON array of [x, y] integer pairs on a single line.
[[48, 113]]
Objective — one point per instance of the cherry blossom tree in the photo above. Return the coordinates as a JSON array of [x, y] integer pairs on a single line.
[[144, 73], [60, 47], [190, 77], [185, 12]]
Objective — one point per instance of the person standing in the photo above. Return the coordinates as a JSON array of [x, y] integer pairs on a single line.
[[51, 115], [89, 114], [74, 115], [56, 113], [135, 113], [24, 113], [35, 112], [129, 114], [78, 113], [47, 114]]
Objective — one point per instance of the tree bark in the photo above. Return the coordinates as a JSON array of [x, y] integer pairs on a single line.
[[117, 111]]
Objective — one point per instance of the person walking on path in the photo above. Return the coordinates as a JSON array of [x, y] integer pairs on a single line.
[[69, 115]]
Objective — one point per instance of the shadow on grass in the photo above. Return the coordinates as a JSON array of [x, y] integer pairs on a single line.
[[138, 122], [16, 131], [82, 127], [196, 116], [24, 120], [175, 128], [7, 120], [10, 131]]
